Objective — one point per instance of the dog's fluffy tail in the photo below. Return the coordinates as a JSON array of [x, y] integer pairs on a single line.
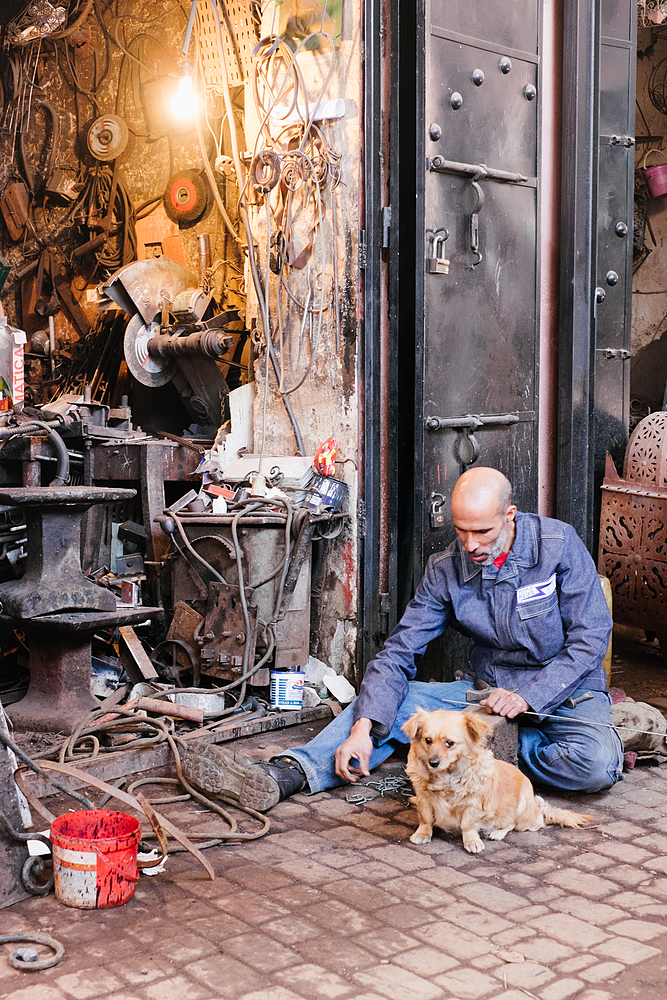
[[562, 817]]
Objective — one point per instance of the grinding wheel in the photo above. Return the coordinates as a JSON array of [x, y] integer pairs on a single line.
[[186, 198], [146, 369], [107, 137]]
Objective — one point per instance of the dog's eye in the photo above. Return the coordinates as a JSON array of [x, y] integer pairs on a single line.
[[449, 744], [428, 741]]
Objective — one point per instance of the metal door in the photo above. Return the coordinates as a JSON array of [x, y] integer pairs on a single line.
[[599, 71], [477, 277]]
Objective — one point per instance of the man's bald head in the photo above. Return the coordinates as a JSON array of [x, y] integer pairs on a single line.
[[483, 487], [483, 513]]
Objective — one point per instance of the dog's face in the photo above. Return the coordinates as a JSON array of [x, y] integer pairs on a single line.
[[440, 739]]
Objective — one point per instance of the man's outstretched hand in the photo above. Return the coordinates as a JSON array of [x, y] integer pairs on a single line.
[[502, 702], [357, 746]]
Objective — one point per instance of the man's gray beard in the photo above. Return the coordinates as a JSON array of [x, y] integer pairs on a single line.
[[498, 547]]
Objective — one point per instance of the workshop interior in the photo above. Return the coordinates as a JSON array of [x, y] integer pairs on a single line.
[[232, 404]]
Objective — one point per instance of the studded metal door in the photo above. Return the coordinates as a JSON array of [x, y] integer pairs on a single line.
[[478, 275]]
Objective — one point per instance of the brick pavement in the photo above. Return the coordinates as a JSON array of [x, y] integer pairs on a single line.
[[336, 904]]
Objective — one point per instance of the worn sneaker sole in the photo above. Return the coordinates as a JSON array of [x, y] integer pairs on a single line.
[[225, 772]]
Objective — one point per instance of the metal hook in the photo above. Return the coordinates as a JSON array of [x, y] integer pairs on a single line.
[[474, 216]]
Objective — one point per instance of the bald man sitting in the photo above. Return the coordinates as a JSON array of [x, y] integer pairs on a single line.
[[526, 591]]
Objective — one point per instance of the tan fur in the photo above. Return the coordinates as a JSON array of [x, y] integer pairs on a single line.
[[468, 789]]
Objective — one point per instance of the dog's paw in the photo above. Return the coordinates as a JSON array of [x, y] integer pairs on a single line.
[[499, 834], [472, 842], [420, 838]]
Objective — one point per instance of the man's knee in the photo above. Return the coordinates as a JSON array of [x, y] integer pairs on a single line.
[[593, 765]]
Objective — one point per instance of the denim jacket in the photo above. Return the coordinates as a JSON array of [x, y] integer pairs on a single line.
[[540, 624]]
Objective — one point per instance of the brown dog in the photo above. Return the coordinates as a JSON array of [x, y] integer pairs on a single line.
[[459, 785]]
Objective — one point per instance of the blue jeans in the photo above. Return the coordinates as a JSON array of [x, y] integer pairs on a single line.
[[565, 754]]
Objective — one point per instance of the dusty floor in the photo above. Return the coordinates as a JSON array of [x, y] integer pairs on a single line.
[[336, 904]]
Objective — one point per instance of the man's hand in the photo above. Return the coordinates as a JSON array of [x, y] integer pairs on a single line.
[[502, 702], [357, 746]]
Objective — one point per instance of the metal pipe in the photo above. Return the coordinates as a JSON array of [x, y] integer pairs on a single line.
[[204, 257], [52, 345]]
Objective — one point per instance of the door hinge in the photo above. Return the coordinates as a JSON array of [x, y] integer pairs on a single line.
[[386, 226], [362, 249], [361, 518]]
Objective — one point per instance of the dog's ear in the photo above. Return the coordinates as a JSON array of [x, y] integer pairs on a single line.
[[412, 727], [477, 727]]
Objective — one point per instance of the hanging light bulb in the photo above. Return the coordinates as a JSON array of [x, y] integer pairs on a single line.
[[184, 102]]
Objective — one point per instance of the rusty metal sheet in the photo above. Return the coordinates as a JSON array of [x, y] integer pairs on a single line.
[[141, 285]]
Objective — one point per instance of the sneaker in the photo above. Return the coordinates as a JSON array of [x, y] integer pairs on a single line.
[[253, 783]]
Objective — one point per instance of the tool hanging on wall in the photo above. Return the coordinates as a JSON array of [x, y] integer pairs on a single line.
[[107, 138], [187, 198]]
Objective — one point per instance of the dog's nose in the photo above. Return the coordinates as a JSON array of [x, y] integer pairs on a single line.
[[434, 761]]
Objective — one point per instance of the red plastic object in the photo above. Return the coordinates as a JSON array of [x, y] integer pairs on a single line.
[[324, 460], [95, 858]]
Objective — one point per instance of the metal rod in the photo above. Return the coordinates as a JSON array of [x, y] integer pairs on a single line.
[[438, 164]]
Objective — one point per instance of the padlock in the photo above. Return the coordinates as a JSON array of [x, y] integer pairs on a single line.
[[437, 514], [438, 263]]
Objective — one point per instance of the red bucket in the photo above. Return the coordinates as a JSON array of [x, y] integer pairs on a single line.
[[655, 177], [95, 858]]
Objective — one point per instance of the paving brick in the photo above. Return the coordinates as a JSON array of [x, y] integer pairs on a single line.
[[654, 842], [583, 883], [265, 852], [490, 896], [259, 951], [656, 865], [639, 930], [405, 915], [425, 961], [186, 947], [386, 805], [538, 867], [387, 941], [297, 895], [632, 900], [625, 950], [590, 862], [339, 857], [417, 890], [445, 877], [566, 928], [250, 907], [473, 918], [546, 951], [622, 829], [37, 991], [377, 824], [311, 871], [530, 975], [176, 988], [224, 976], [334, 913], [361, 894], [300, 841], [469, 984], [485, 962], [397, 984], [88, 984], [350, 836], [139, 969], [520, 880], [527, 913], [626, 874], [217, 926], [372, 871], [656, 886], [576, 963], [456, 941], [272, 993], [595, 913], [508, 938], [315, 982], [544, 894], [605, 970], [625, 853], [406, 859], [562, 989], [257, 877], [290, 930], [336, 954], [595, 995]]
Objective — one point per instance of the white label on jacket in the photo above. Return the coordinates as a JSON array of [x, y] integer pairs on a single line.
[[536, 591]]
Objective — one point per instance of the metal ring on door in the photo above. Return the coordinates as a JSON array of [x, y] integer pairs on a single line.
[[473, 448]]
